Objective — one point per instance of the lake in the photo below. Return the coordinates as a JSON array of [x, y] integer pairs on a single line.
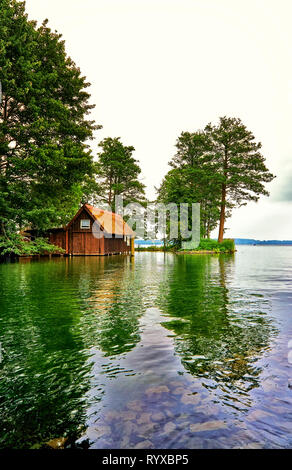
[[163, 351]]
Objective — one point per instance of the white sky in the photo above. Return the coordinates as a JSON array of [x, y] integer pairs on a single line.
[[159, 67]]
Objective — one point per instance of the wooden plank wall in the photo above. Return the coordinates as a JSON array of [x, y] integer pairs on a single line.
[[82, 242], [58, 238]]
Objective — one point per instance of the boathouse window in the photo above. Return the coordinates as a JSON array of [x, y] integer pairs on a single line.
[[85, 223]]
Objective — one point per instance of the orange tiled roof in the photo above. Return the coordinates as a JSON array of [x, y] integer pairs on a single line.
[[110, 221]]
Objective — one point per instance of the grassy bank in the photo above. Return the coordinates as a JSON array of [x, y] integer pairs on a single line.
[[213, 246], [206, 246]]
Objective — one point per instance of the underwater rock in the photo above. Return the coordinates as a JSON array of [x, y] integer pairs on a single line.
[[128, 415], [145, 429], [157, 390], [190, 399], [144, 418], [144, 445], [183, 425], [125, 442], [176, 384], [94, 433], [168, 412], [135, 405], [208, 409], [179, 391], [111, 416], [208, 426], [129, 427], [250, 445], [158, 416], [257, 415], [268, 385], [169, 427]]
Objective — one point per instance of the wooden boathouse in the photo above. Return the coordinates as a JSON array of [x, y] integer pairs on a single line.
[[94, 231]]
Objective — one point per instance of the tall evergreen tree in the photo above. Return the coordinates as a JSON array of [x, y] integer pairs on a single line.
[[118, 173], [44, 129], [192, 179], [239, 165]]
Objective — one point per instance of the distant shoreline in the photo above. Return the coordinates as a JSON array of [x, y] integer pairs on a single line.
[[238, 241], [251, 241]]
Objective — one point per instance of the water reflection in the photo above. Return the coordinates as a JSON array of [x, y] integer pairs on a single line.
[[168, 351], [44, 370], [219, 332]]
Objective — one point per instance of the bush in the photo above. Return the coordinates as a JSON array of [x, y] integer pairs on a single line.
[[15, 245], [213, 245], [228, 245]]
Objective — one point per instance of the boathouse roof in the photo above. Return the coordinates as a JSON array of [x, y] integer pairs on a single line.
[[109, 221]]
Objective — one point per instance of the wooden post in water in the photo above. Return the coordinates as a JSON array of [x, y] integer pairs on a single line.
[[132, 246]]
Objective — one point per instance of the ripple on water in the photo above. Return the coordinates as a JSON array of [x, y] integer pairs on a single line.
[[166, 352]]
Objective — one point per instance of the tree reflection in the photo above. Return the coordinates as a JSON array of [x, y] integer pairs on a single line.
[[220, 331], [44, 373], [113, 304], [53, 315]]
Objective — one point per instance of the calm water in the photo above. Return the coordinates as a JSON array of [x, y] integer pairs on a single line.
[[168, 351]]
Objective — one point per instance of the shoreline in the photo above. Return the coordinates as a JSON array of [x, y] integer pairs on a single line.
[[186, 252]]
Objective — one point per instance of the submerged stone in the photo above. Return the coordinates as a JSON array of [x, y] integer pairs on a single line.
[[144, 418], [257, 415], [144, 445], [145, 429], [178, 391], [169, 427], [190, 399], [128, 415], [111, 415], [135, 405], [157, 390], [129, 427], [208, 409], [158, 416], [94, 433], [208, 426]]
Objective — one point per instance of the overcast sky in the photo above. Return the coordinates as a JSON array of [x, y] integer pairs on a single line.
[[160, 67]]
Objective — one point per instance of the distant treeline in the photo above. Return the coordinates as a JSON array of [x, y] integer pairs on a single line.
[[251, 241]]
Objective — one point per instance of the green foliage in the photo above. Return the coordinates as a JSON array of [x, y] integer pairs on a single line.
[[192, 179], [227, 245], [239, 165], [117, 174], [149, 248], [44, 130], [169, 247], [220, 168], [16, 245]]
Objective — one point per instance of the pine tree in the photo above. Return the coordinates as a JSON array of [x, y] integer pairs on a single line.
[[192, 179], [44, 129], [239, 165], [118, 173]]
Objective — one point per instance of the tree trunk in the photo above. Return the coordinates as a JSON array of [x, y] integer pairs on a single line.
[[223, 196], [222, 214], [208, 230]]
